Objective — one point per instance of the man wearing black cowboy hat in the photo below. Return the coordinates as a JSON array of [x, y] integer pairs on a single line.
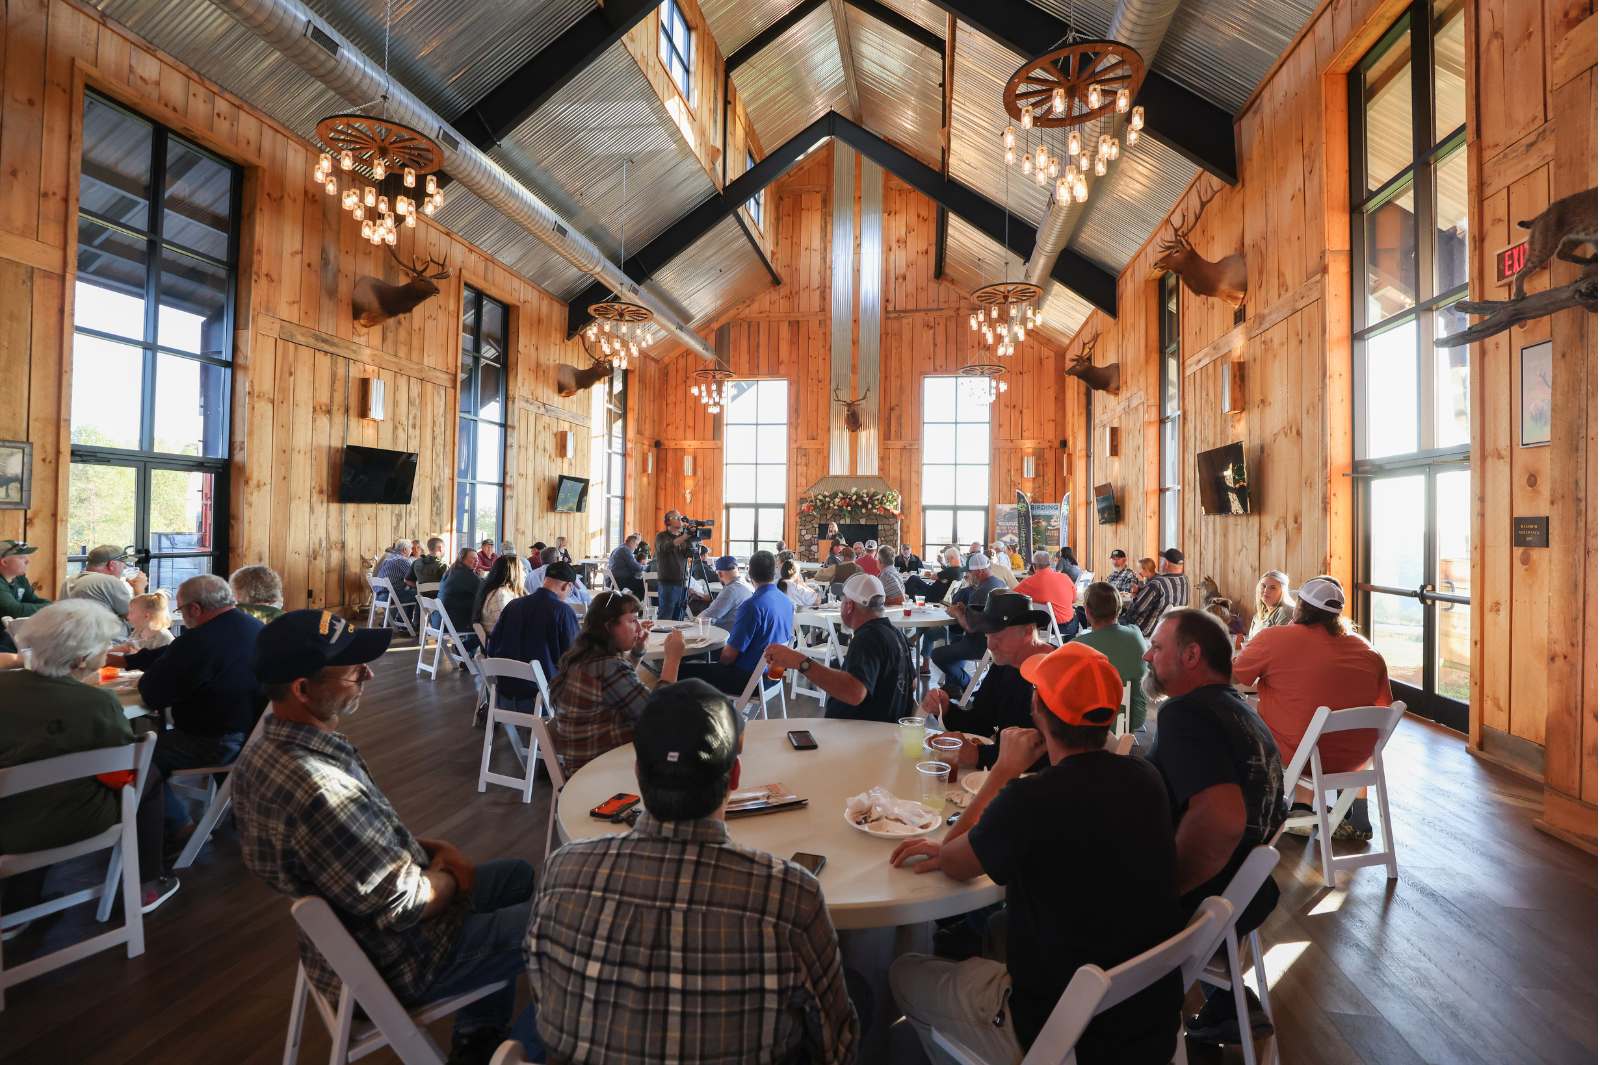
[[1016, 633]]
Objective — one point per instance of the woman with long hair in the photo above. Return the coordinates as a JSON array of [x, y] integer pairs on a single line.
[[1273, 604], [793, 585], [596, 695], [504, 583]]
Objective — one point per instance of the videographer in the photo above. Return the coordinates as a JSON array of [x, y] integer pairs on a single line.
[[674, 545]]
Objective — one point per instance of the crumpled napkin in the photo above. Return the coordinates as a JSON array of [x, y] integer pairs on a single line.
[[879, 811]]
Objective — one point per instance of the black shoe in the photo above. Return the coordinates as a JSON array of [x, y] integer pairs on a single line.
[[1218, 1021], [475, 1047]]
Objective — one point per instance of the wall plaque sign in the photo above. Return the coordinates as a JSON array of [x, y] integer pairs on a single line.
[[1530, 532]]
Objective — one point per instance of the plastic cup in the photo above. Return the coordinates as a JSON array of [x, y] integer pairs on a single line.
[[948, 750], [912, 735], [922, 600], [109, 674], [932, 779]]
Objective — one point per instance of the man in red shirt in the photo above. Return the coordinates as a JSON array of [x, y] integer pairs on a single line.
[[1045, 585]]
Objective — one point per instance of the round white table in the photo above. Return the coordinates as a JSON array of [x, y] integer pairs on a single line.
[[655, 645], [921, 617], [861, 888]]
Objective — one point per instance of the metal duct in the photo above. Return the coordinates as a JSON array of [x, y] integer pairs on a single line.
[[1141, 25], [311, 44]]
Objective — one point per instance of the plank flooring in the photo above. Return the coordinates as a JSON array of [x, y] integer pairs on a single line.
[[1482, 952]]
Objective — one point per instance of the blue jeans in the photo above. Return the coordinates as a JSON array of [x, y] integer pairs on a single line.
[[489, 946], [177, 749], [674, 600], [953, 657]]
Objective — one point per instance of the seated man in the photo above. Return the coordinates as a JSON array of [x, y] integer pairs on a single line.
[[258, 590], [1047, 586], [967, 646], [934, 591], [102, 581], [1224, 781], [611, 971], [1039, 836], [538, 627], [867, 559], [626, 572], [55, 707], [484, 557], [1314, 661], [577, 594], [430, 568], [765, 617], [1004, 700], [204, 679], [312, 822], [730, 596], [839, 567], [894, 585], [1125, 646], [877, 682], [906, 560], [1167, 590], [17, 597], [396, 569]]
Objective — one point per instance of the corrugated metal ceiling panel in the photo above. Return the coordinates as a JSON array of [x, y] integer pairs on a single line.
[[899, 83], [734, 23], [924, 13], [1145, 184], [972, 259], [978, 116], [795, 81], [714, 273], [486, 228]]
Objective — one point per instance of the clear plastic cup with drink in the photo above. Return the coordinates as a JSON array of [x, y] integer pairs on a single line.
[[913, 734], [948, 750], [932, 782]]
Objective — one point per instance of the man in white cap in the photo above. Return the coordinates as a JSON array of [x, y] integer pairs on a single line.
[[877, 682], [969, 644], [102, 580]]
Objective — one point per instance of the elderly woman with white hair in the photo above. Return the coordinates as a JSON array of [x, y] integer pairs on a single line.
[[53, 708]]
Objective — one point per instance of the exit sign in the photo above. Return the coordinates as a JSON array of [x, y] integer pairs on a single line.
[[1509, 261]]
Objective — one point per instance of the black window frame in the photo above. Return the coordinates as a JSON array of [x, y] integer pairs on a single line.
[[468, 420], [931, 546], [669, 49], [616, 430], [756, 508], [1170, 452], [754, 203]]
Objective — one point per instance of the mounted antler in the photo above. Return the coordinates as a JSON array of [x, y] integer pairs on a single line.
[[1225, 279], [1106, 378], [852, 411], [375, 301]]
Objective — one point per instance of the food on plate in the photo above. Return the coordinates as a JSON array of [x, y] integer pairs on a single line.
[[880, 813]]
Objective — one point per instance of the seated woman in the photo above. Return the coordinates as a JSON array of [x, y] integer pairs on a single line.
[[503, 584], [458, 592], [791, 584], [53, 708], [1273, 606], [259, 591], [596, 695]]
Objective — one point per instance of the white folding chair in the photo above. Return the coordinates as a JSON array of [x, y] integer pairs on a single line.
[[528, 755], [546, 745], [218, 797], [1122, 744], [1120, 729], [483, 637], [388, 1023], [428, 588], [826, 650], [652, 595], [1094, 990], [1223, 967], [508, 1053], [977, 678], [768, 693], [387, 607], [120, 839], [435, 623], [1326, 722]]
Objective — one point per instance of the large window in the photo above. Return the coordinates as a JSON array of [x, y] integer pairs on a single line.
[[753, 204], [755, 477], [1412, 431], [152, 346], [955, 466], [616, 457], [676, 49], [481, 437], [1171, 418]]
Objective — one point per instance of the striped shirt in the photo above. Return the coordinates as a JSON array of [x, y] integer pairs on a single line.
[[674, 944], [1159, 595], [596, 704]]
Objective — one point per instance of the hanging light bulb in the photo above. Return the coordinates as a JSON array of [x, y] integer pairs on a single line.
[[1041, 157], [1115, 150], [1039, 176], [1027, 116], [379, 171], [411, 221], [1081, 191], [349, 199], [331, 187], [369, 196], [1104, 147], [427, 207], [391, 237], [1136, 120], [383, 205], [1011, 156], [431, 186], [1074, 143], [408, 177], [1055, 166], [1058, 101], [1124, 98], [994, 312], [1083, 163], [1094, 97], [358, 212], [1063, 193], [1009, 138], [1027, 165], [972, 322], [1100, 166], [347, 161], [366, 229], [1133, 136]]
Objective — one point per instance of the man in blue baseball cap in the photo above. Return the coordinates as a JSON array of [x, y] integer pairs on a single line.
[[732, 595], [313, 822]]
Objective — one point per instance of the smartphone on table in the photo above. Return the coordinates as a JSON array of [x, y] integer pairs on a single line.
[[811, 863], [615, 807], [802, 740]]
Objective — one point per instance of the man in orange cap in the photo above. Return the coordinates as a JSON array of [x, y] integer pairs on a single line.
[[1039, 836]]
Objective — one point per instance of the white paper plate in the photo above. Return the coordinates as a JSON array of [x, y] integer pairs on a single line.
[[668, 626], [936, 823], [973, 781]]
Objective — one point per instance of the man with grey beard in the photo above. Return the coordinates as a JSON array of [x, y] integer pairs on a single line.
[[312, 822]]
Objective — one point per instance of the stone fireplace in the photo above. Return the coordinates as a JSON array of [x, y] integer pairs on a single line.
[[864, 506]]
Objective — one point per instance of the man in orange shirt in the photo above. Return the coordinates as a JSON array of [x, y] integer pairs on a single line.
[[1315, 661], [1045, 585]]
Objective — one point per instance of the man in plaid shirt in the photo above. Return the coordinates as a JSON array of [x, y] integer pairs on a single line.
[[674, 944], [1123, 579], [312, 822], [1167, 589]]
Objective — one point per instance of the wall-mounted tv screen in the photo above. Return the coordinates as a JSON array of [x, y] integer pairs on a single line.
[[375, 475], [571, 493], [1105, 505], [1222, 479]]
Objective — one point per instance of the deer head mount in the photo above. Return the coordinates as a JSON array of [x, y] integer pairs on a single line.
[[852, 410], [570, 380], [1226, 279], [375, 301], [1106, 378]]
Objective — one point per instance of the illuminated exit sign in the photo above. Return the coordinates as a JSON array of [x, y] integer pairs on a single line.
[[1509, 261]]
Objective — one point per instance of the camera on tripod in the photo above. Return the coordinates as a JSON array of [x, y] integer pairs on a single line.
[[699, 528]]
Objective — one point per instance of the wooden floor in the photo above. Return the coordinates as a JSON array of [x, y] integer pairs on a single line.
[[1482, 952]]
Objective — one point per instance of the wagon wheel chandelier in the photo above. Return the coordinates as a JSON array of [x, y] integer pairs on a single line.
[[1070, 103], [395, 156], [619, 326], [713, 387], [1007, 309], [982, 382]]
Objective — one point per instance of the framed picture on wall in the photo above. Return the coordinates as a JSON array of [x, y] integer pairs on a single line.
[[1537, 379], [16, 475]]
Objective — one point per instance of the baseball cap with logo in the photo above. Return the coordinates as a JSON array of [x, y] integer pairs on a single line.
[[1076, 683], [1324, 593], [16, 547], [108, 553], [301, 642], [862, 587], [978, 560], [727, 562], [689, 731]]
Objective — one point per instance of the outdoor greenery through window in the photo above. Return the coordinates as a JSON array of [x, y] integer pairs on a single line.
[[955, 466], [755, 477], [481, 436], [1171, 418], [152, 346], [676, 48]]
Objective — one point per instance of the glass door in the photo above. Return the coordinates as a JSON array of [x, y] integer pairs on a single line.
[[1417, 586], [164, 511]]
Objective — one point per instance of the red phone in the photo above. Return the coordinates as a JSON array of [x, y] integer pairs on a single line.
[[613, 808]]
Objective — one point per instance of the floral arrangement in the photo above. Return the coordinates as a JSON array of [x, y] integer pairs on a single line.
[[854, 500]]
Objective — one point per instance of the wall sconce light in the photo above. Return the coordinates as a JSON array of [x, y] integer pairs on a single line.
[[1029, 467], [564, 444], [649, 462], [372, 394], [1113, 441], [688, 465], [1233, 387]]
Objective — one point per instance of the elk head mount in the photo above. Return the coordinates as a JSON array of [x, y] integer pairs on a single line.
[[1106, 378], [1226, 279], [852, 410], [374, 301], [570, 380]]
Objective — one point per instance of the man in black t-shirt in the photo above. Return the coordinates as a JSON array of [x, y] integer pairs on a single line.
[[1003, 699], [1224, 779], [877, 682], [1085, 851]]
